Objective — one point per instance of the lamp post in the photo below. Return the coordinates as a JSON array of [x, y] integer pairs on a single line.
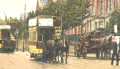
[[16, 33]]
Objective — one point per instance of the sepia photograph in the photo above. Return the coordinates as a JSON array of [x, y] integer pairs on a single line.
[[59, 34]]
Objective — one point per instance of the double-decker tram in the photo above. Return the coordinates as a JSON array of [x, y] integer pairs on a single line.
[[7, 40], [42, 31]]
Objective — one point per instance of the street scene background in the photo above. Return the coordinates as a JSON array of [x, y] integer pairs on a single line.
[[59, 34]]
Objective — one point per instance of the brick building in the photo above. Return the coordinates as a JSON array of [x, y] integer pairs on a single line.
[[100, 11]]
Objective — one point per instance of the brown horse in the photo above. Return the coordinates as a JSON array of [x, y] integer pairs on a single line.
[[96, 43], [102, 45], [80, 49]]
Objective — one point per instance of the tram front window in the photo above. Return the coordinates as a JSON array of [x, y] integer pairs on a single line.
[[45, 34], [5, 37]]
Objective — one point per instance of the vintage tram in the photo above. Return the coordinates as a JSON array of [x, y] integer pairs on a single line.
[[43, 30], [7, 40]]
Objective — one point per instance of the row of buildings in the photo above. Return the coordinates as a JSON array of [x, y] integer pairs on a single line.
[[43, 3], [99, 15], [100, 12]]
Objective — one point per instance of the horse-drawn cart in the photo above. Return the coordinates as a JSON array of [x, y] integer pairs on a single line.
[[98, 42]]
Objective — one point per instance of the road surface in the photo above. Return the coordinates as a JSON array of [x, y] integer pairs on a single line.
[[21, 60]]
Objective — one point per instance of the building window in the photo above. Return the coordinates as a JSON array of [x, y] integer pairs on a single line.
[[95, 25], [107, 24], [101, 25]]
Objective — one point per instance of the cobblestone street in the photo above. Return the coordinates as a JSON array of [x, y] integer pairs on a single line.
[[21, 60]]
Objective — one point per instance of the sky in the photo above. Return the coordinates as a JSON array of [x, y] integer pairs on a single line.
[[15, 8]]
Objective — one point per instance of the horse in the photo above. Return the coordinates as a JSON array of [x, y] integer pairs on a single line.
[[102, 46], [77, 49], [53, 49], [63, 51], [58, 52], [97, 43], [80, 48]]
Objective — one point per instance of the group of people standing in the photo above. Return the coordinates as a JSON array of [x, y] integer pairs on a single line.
[[59, 51], [56, 52]]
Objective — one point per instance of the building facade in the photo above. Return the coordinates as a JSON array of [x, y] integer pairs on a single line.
[[41, 4], [100, 12]]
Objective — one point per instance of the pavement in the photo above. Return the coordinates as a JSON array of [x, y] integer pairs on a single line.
[[21, 60]]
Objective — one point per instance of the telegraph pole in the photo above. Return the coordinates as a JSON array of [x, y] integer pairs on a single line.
[[25, 26]]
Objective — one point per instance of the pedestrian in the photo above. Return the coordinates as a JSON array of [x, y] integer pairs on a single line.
[[116, 50], [45, 52], [67, 50]]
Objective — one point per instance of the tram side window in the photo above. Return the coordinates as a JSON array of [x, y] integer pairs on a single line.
[[39, 37], [32, 36], [5, 35]]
